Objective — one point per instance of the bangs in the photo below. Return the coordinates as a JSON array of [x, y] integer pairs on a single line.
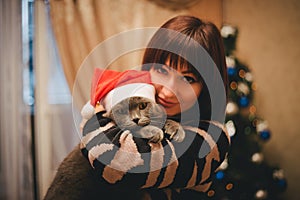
[[160, 57], [177, 48]]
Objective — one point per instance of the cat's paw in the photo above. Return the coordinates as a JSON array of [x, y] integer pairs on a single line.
[[152, 133], [174, 130]]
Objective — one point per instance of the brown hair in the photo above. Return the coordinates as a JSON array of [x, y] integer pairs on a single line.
[[194, 30]]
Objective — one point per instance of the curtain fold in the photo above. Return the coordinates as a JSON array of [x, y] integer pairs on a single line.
[[16, 156], [79, 26]]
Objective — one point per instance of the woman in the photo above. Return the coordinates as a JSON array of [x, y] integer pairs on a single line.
[[186, 61], [189, 37]]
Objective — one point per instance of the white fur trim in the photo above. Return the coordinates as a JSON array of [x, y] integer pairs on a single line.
[[130, 90], [87, 111]]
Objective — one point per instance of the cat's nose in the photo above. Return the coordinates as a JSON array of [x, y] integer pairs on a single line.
[[136, 120]]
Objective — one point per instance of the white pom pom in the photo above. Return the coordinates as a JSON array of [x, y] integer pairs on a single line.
[[87, 111]]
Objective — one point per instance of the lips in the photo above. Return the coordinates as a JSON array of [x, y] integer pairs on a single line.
[[165, 103]]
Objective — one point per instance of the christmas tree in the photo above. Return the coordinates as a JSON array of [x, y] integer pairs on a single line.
[[244, 175]]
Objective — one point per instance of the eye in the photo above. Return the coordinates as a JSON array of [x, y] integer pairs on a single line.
[[143, 105], [160, 69], [189, 79]]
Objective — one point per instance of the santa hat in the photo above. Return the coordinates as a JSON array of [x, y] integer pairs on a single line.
[[109, 87]]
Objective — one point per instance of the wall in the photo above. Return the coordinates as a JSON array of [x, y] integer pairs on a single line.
[[268, 43], [149, 14]]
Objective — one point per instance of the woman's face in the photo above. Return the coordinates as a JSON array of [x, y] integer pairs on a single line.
[[176, 90]]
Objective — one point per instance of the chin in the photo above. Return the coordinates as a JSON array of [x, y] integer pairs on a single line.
[[170, 114]]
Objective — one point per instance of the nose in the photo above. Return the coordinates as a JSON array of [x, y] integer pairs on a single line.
[[136, 120], [166, 91]]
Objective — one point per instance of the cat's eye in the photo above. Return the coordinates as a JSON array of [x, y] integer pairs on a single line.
[[143, 105]]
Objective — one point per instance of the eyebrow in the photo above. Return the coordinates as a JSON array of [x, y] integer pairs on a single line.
[[188, 72]]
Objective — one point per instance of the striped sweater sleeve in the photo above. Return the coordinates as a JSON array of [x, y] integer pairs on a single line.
[[122, 160]]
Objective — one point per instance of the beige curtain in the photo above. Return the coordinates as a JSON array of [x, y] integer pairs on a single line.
[[16, 166], [79, 26]]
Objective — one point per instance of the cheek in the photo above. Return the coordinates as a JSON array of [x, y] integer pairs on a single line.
[[190, 98], [198, 90], [188, 102], [157, 87]]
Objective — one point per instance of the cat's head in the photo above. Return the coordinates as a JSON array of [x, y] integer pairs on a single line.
[[136, 112]]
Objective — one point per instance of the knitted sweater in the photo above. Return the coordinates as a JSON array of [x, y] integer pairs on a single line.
[[168, 168]]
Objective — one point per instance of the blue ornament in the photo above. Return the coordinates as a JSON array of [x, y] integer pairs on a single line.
[[244, 101], [265, 135], [220, 175], [231, 71], [282, 183]]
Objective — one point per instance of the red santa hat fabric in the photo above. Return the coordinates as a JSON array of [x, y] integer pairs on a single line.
[[111, 87]]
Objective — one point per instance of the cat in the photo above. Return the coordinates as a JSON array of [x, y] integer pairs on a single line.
[[146, 119]]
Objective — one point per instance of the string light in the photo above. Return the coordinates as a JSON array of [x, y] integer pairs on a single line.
[[252, 109], [230, 128], [229, 186], [231, 108], [278, 174], [257, 158], [261, 194], [254, 122], [243, 88], [211, 193], [249, 77], [233, 85], [242, 73], [254, 86]]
